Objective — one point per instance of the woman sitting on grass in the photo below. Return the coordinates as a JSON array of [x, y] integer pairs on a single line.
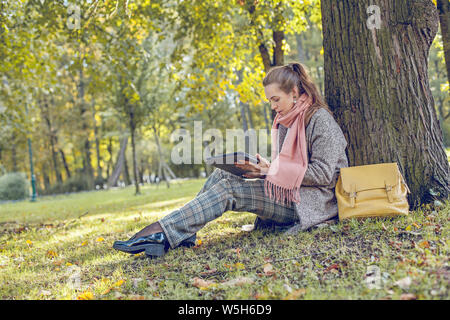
[[296, 189]]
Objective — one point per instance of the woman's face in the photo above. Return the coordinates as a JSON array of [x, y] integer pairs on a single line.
[[280, 101]]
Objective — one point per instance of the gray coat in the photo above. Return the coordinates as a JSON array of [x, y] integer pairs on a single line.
[[326, 155]]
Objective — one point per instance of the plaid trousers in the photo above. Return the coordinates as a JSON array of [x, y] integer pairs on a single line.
[[222, 192]]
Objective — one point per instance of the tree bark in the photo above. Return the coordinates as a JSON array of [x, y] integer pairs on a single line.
[[66, 167], [112, 181], [87, 167], [376, 83], [97, 141], [161, 168], [444, 17], [110, 161], [250, 116], [45, 112], [133, 147]]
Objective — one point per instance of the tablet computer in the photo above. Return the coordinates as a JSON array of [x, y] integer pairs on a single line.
[[226, 162]]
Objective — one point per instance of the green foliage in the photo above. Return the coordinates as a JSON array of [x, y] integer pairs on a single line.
[[13, 186]]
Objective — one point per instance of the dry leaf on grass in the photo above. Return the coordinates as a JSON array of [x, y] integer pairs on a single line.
[[404, 283], [268, 269], [202, 284], [238, 281], [408, 296]]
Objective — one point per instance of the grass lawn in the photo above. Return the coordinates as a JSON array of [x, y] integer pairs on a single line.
[[60, 248]]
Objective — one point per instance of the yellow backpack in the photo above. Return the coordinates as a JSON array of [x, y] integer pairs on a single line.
[[376, 190]]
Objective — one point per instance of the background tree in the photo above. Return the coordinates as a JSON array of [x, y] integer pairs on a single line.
[[376, 83]]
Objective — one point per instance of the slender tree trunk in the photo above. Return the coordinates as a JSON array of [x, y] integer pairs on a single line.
[[161, 168], [444, 17], [126, 171], [87, 166], [277, 39], [45, 177], [66, 167], [244, 125], [45, 112], [133, 148], [14, 156], [266, 120], [301, 52], [112, 181], [376, 83], [250, 116], [110, 161], [97, 141]]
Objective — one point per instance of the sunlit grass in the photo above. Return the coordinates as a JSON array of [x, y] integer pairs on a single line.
[[44, 244]]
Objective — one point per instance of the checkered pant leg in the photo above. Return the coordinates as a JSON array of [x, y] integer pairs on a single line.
[[220, 193]]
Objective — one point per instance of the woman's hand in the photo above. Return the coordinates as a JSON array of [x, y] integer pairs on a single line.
[[254, 170]]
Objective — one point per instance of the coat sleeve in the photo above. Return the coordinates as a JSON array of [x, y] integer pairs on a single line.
[[327, 150]]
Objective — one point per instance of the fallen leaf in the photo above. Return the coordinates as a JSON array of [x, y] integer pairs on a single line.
[[424, 244], [198, 242], [106, 291], [203, 284], [334, 266], [51, 254], [100, 239], [408, 296], [268, 269], [404, 283], [208, 272], [239, 266], [119, 283], [238, 281], [87, 295], [137, 297]]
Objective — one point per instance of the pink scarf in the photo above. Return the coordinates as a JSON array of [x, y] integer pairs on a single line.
[[288, 168]]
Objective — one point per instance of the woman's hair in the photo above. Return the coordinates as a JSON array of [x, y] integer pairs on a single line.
[[294, 74]]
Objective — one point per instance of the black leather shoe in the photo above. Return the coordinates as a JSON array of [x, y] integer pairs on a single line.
[[156, 240], [155, 244]]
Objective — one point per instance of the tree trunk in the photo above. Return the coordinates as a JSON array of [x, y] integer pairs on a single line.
[[376, 83], [250, 116], [108, 168], [244, 126], [126, 171], [444, 17], [97, 141], [14, 155], [66, 167], [133, 148], [266, 120], [277, 40], [87, 167], [112, 181], [301, 52], [45, 112], [161, 168]]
